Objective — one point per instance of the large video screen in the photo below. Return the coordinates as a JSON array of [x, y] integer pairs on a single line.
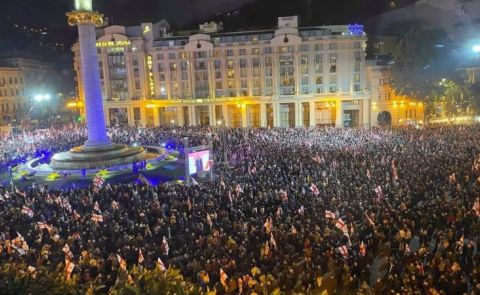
[[199, 161]]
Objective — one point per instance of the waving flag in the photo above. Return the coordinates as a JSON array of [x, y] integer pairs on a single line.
[[96, 207], [379, 192], [272, 241], [160, 264], [369, 220], [223, 278], [329, 214], [98, 181], [166, 248], [476, 207], [341, 225], [343, 250], [238, 190], [67, 251], [27, 211], [140, 256], [314, 189], [362, 249], [122, 263], [209, 221], [97, 217]]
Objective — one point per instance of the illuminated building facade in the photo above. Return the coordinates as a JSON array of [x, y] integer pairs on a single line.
[[287, 76], [13, 102], [388, 108]]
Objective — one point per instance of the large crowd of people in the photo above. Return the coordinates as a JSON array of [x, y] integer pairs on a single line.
[[382, 211]]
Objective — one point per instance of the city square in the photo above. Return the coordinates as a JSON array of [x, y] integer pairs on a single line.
[[233, 158]]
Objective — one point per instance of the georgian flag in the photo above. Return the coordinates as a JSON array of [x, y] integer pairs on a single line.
[[209, 221], [223, 278], [476, 207], [407, 248], [27, 211], [329, 214], [97, 217], [96, 207], [343, 250], [160, 264], [69, 266], [67, 251], [140, 256], [166, 248], [341, 225], [98, 181], [317, 159], [314, 189], [272, 241], [238, 190], [362, 249], [122, 263], [379, 192]]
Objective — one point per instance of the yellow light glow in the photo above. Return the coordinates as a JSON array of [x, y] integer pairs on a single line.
[[72, 105], [150, 106]]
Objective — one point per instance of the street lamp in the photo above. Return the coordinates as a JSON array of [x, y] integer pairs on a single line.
[[42, 97], [476, 48]]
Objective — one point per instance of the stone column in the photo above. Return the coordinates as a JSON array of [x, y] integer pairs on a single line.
[[191, 116], [226, 121], [298, 114], [366, 113], [96, 130], [212, 115], [156, 117], [263, 115], [181, 120], [276, 114], [143, 116], [312, 113], [339, 114], [243, 111]]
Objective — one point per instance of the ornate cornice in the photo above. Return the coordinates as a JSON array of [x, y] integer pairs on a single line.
[[76, 18]]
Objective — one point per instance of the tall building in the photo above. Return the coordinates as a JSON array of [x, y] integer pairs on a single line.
[[13, 102], [285, 76], [37, 74], [387, 107]]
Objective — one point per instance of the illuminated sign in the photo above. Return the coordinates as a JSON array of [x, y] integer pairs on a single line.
[[146, 29], [113, 43], [151, 83], [356, 29]]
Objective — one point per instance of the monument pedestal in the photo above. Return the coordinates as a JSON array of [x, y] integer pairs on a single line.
[[103, 156]]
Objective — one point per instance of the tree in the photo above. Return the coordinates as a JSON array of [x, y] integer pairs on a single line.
[[422, 59]]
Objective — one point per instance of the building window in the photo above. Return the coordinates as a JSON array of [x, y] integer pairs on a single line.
[[318, 47], [171, 55], [304, 47], [318, 64], [160, 56], [332, 46], [287, 74], [229, 52], [333, 83], [267, 50], [242, 51], [255, 51]]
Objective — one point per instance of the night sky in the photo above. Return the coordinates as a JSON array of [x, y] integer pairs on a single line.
[[39, 26]]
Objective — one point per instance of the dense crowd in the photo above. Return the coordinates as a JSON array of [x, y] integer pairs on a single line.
[[355, 211]]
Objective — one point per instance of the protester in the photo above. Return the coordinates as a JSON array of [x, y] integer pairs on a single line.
[[351, 211]]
